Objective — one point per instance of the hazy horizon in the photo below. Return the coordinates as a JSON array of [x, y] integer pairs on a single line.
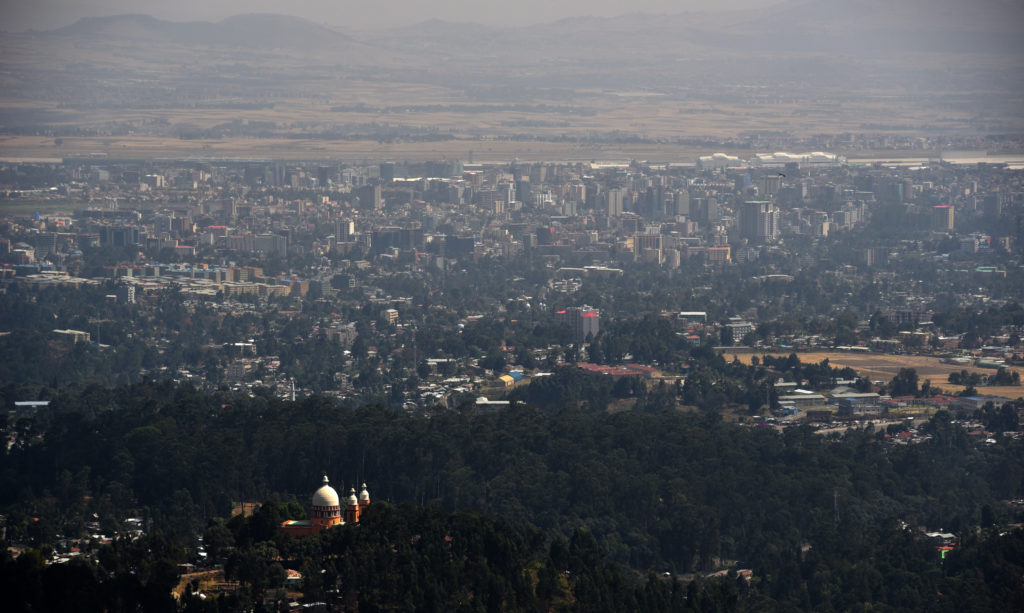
[[21, 15]]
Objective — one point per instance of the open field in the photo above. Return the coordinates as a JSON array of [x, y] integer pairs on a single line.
[[42, 149], [880, 367], [28, 207], [22, 147]]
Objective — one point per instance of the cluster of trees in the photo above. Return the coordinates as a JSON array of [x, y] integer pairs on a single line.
[[129, 575], [999, 419], [983, 322], [905, 383], [1002, 377], [711, 384], [655, 488], [421, 558], [411, 557], [818, 375]]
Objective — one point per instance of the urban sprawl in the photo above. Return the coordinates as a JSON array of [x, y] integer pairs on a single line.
[[433, 285]]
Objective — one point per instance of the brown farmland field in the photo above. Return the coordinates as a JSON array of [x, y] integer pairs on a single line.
[[880, 367]]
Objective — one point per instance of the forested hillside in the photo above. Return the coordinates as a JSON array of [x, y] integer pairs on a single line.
[[677, 492]]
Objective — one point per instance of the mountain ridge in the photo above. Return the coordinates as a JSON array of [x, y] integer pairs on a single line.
[[263, 29], [862, 26]]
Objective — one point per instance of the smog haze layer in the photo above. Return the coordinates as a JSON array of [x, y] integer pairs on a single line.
[[576, 81]]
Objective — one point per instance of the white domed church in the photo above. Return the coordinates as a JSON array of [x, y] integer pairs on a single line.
[[326, 511]]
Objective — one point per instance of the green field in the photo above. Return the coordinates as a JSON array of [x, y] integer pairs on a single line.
[[20, 208]]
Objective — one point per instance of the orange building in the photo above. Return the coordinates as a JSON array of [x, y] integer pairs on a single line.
[[327, 512], [718, 255]]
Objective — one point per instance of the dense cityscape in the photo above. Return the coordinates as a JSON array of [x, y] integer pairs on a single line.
[[703, 311], [358, 281]]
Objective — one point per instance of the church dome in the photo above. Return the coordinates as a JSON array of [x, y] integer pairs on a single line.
[[352, 500], [325, 496], [364, 496]]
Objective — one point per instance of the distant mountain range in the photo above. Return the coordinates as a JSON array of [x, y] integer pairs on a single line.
[[804, 26], [814, 26], [917, 46], [808, 65], [254, 30]]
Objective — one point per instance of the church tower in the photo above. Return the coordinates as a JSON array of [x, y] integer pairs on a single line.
[[364, 499], [352, 509]]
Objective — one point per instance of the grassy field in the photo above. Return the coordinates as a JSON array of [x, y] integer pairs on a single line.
[[879, 367], [28, 207]]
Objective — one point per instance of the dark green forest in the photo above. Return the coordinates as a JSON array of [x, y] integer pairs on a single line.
[[824, 522]]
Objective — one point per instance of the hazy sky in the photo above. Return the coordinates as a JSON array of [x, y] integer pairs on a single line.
[[17, 15]]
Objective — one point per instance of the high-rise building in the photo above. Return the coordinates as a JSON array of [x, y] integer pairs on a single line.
[[118, 236], [717, 255], [713, 212], [125, 293], [323, 176], [758, 221], [992, 205], [942, 217], [770, 185], [576, 191], [699, 210], [523, 190], [654, 202], [271, 244], [371, 197], [647, 247], [45, 244], [344, 229], [506, 191], [584, 321], [401, 238], [546, 235], [459, 246], [682, 202], [876, 256], [613, 201]]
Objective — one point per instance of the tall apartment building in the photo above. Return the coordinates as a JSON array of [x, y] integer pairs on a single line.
[[344, 229], [942, 217], [758, 221], [118, 236], [647, 246], [584, 321], [682, 202], [613, 201], [370, 197]]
